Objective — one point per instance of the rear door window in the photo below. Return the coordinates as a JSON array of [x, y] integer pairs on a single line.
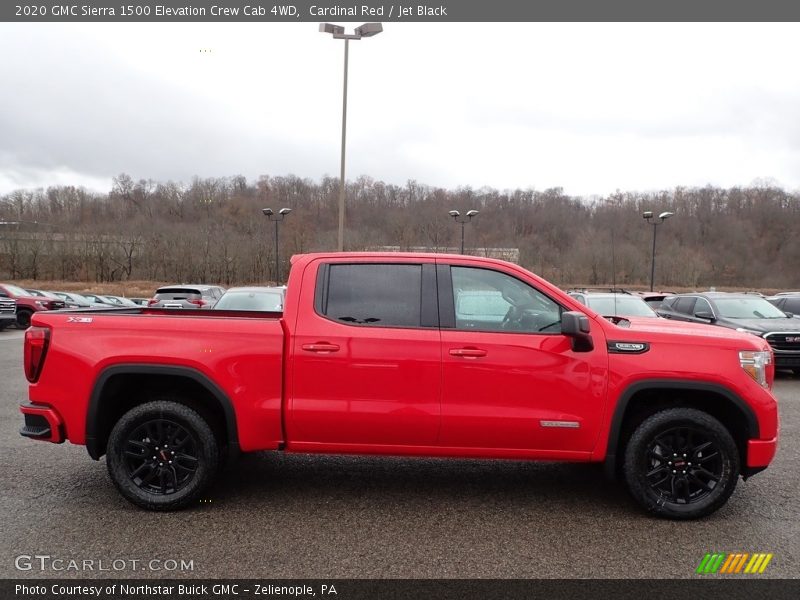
[[388, 295], [685, 305]]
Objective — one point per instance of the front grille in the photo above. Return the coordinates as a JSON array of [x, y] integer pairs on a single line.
[[785, 341], [8, 307]]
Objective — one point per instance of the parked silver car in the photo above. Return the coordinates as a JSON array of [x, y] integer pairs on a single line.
[[186, 296], [74, 300]]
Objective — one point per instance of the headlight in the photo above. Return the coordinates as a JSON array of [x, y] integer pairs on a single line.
[[743, 330], [755, 364]]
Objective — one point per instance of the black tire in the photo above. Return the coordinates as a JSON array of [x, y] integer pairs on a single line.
[[24, 318], [149, 473], [681, 464]]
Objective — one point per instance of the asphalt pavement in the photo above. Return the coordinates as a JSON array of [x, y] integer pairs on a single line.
[[282, 516]]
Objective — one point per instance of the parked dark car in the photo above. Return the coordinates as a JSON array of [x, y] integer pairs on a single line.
[[743, 312], [614, 304], [186, 296], [788, 303], [253, 298], [8, 312]]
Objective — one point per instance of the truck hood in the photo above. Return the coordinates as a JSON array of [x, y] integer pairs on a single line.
[[651, 330]]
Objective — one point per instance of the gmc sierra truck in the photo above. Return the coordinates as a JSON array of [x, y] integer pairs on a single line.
[[407, 355]]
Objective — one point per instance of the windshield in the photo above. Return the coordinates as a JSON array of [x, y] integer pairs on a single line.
[[270, 301], [747, 308], [626, 306], [16, 291]]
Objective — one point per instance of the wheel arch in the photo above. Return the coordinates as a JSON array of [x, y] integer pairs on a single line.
[[644, 398], [121, 387]]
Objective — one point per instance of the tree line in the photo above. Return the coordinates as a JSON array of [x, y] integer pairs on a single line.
[[212, 230]]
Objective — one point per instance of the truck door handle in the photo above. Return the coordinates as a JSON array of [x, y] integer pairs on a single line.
[[321, 347], [468, 352]]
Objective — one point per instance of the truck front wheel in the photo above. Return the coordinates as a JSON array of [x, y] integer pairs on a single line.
[[162, 455], [681, 463], [24, 318]]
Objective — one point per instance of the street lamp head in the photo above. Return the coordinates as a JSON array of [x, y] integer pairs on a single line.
[[648, 214], [284, 211], [454, 213], [665, 215], [369, 29], [331, 28], [472, 213], [267, 211]]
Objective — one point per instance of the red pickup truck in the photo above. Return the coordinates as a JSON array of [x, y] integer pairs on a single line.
[[412, 355]]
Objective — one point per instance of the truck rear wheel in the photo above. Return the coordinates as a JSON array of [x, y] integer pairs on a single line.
[[681, 464], [162, 455]]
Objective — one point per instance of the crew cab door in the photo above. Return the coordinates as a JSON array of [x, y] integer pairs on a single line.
[[510, 379], [366, 357]]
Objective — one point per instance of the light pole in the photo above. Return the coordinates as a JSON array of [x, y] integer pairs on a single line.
[[655, 222], [463, 220], [365, 30], [276, 218]]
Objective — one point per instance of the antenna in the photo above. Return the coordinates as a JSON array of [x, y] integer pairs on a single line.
[[613, 273]]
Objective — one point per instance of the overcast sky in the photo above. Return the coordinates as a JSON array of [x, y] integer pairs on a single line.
[[588, 107]]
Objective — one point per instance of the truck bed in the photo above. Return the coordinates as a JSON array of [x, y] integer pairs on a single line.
[[240, 353]]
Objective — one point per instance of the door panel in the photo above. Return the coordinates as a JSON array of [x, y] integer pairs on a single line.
[[357, 382], [520, 387]]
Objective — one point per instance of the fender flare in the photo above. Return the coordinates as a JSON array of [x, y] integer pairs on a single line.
[[661, 384], [93, 412]]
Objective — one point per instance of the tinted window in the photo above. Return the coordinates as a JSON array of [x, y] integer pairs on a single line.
[[669, 303], [487, 300], [702, 305], [684, 305], [791, 305], [377, 295]]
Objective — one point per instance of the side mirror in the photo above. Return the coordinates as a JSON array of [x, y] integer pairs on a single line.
[[704, 314], [789, 315], [575, 325]]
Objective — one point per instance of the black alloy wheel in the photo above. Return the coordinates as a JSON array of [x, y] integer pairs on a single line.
[[684, 464], [162, 455], [681, 463]]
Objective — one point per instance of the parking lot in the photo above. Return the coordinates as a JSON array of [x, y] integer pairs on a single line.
[[297, 516]]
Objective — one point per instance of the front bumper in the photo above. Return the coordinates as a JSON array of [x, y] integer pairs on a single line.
[[759, 454], [42, 423], [787, 361]]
